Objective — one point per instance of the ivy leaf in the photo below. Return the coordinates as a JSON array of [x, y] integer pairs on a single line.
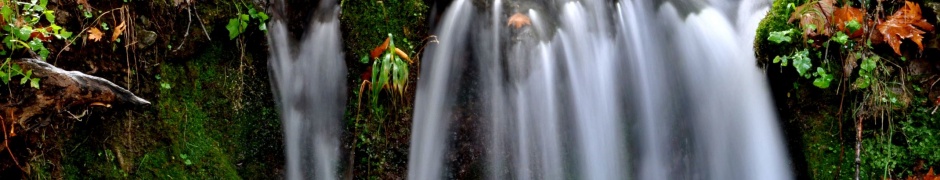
[[780, 36], [34, 82], [853, 26], [840, 38], [869, 64], [782, 60], [802, 63], [823, 80], [232, 28]]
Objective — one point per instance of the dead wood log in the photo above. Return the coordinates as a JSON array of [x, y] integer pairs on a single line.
[[60, 90]]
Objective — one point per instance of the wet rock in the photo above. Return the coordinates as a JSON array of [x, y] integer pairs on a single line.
[[145, 38]]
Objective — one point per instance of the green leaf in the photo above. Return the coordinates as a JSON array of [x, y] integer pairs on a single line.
[[104, 26], [780, 36], [7, 13], [23, 33], [364, 59], [23, 80], [64, 34], [870, 63], [802, 62], [782, 60], [188, 162], [840, 38], [862, 82], [823, 80], [853, 26], [34, 82], [50, 16], [43, 53], [232, 28]]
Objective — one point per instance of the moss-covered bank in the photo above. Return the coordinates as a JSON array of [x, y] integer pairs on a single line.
[[895, 114]]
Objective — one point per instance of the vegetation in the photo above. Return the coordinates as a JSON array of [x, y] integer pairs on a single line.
[[379, 126], [873, 50], [24, 28]]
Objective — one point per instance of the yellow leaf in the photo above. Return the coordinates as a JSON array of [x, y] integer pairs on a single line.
[[402, 54], [117, 31], [94, 34]]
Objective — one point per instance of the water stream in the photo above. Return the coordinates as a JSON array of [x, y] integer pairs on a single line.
[[591, 89]]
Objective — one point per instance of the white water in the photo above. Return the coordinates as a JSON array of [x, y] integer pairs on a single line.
[[590, 90], [640, 89], [308, 79]]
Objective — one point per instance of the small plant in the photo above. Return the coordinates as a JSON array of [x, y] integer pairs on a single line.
[[237, 25], [389, 70], [23, 27]]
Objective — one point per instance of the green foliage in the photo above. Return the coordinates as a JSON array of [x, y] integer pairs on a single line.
[[388, 70], [840, 38], [28, 33], [853, 26], [780, 36], [802, 62], [823, 79], [865, 74], [237, 25]]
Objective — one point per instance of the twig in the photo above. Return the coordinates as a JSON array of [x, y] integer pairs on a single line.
[[188, 11], [201, 24]]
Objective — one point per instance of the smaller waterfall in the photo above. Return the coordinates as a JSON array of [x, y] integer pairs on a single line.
[[308, 81]]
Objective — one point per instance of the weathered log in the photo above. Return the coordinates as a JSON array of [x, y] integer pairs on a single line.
[[60, 90]]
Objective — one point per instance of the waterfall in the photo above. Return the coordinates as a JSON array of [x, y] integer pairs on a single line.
[[308, 80], [647, 90], [590, 89]]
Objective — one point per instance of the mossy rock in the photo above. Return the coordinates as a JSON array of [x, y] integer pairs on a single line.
[[776, 20]]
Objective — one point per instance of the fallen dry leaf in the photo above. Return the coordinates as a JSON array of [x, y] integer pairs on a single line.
[[94, 34], [906, 23], [518, 20], [117, 31]]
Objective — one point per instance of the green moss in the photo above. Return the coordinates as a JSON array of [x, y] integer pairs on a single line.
[[822, 147], [366, 24], [776, 20], [214, 120]]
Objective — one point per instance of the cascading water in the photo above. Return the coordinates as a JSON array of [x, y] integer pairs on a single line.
[[588, 89], [648, 90], [308, 82]]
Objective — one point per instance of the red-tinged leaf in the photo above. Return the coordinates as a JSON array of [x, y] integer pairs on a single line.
[[381, 48], [814, 15]]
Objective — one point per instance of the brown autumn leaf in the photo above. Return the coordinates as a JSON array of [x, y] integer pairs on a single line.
[[94, 34], [518, 20], [846, 14], [815, 15], [906, 23], [931, 176], [117, 31]]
